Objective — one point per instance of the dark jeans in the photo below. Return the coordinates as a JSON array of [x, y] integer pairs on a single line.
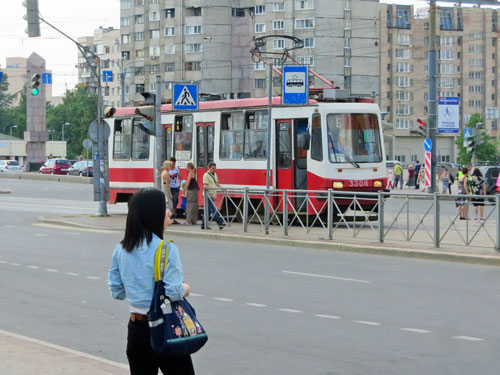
[[397, 178], [175, 199], [213, 213], [143, 360]]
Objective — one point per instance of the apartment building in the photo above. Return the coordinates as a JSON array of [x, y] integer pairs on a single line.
[[106, 44], [467, 59], [189, 41], [18, 77]]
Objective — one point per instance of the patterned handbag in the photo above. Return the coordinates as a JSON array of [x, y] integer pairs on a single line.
[[175, 329]]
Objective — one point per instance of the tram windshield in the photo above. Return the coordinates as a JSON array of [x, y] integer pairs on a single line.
[[353, 138]]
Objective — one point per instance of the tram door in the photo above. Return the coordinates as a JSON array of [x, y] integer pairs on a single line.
[[167, 136], [300, 140], [204, 151]]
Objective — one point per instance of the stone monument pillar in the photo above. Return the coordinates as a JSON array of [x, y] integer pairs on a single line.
[[36, 134]]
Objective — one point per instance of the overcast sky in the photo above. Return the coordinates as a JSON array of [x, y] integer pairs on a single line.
[[76, 18]]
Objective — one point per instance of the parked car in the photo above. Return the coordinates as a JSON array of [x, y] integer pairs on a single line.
[[10, 166], [55, 166], [81, 168], [490, 174]]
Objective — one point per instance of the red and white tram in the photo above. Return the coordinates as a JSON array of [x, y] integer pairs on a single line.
[[319, 146]]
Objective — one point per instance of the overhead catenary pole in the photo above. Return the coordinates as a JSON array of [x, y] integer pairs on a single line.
[[159, 134], [432, 92], [268, 152]]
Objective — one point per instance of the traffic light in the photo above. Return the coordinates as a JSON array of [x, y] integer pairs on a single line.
[[109, 112], [422, 128], [32, 18], [147, 125], [149, 98], [35, 84], [470, 144]]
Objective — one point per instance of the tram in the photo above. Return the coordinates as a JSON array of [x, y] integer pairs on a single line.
[[319, 146]]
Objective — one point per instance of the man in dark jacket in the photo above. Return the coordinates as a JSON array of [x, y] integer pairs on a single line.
[[417, 169]]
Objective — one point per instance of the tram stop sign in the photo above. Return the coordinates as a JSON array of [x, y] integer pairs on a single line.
[[94, 131]]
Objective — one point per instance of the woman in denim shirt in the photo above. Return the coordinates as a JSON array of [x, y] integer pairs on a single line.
[[131, 277]]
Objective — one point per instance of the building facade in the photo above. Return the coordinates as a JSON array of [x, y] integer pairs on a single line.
[[467, 59], [188, 41], [106, 44]]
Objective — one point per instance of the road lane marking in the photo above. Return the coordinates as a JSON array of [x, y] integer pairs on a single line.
[[195, 295], [79, 229], [291, 311], [327, 277], [15, 264], [51, 270], [72, 233], [468, 338], [34, 267], [415, 330], [93, 277], [368, 323], [327, 316], [3, 262], [223, 299], [41, 234], [72, 274], [255, 304], [9, 226]]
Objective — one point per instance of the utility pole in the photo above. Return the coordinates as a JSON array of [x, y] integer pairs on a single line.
[[267, 201], [432, 92], [159, 134]]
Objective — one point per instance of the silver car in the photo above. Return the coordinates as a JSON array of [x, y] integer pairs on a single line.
[[10, 166], [81, 168]]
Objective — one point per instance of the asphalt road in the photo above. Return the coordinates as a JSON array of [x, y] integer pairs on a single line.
[[267, 309]]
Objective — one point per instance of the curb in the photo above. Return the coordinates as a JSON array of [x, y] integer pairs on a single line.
[[484, 260], [47, 177], [5, 191]]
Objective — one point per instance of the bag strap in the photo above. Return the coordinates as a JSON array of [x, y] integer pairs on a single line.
[[161, 259]]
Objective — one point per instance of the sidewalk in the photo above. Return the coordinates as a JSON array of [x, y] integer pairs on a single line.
[[21, 355], [343, 240]]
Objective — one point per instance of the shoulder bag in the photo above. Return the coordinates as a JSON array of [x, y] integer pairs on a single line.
[[175, 329]]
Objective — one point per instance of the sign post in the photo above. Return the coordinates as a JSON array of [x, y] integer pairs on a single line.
[[295, 85], [428, 169]]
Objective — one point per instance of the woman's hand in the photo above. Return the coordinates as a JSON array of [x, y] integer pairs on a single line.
[[187, 288]]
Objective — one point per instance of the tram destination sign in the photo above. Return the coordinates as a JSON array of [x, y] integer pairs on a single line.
[[295, 85]]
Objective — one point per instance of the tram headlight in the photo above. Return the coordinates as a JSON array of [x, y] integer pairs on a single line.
[[377, 183], [338, 184]]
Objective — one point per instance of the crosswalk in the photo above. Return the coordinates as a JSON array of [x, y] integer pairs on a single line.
[[54, 206]]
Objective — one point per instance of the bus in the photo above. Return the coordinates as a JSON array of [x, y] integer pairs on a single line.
[[319, 146]]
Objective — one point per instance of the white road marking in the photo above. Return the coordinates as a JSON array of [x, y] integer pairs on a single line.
[[15, 264], [79, 229], [366, 322], [223, 299], [468, 338], [9, 226], [93, 277], [51, 270], [72, 233], [327, 316], [41, 234], [72, 274], [291, 311], [3, 262], [255, 304], [327, 277], [195, 295], [34, 267], [415, 330]]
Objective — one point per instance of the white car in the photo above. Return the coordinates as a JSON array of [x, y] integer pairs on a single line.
[[10, 166]]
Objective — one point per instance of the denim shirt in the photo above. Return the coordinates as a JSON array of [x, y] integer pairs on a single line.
[[131, 275]]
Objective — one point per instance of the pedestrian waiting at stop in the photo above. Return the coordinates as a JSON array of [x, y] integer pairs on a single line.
[[398, 175], [131, 277], [463, 189], [191, 193], [445, 180], [210, 180], [478, 187], [166, 167]]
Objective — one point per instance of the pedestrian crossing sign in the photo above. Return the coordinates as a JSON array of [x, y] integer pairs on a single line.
[[185, 97]]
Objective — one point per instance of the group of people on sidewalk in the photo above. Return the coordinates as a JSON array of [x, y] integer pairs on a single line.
[[416, 176], [174, 186], [471, 184]]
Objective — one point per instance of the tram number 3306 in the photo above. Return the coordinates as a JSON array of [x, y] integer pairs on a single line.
[[357, 183]]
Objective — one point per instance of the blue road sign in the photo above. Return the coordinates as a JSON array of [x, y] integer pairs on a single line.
[[467, 133], [1, 76], [295, 85], [107, 76], [47, 78], [427, 144], [185, 97]]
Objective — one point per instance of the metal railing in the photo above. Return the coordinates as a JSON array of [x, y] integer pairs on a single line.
[[382, 216]]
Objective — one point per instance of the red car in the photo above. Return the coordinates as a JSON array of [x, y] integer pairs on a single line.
[[55, 166]]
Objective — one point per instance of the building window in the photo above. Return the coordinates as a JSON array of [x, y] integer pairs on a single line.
[[154, 69], [170, 13], [139, 2], [402, 19], [404, 96], [139, 71], [347, 62], [476, 35], [124, 21], [139, 52], [404, 39], [278, 7], [138, 19], [304, 23], [260, 28], [309, 43], [126, 39], [475, 75], [477, 48], [347, 43], [304, 4], [260, 83], [192, 30], [403, 81], [446, 83], [154, 16], [154, 34], [192, 48], [402, 53], [169, 31], [446, 20], [279, 44], [154, 52], [169, 49], [389, 17], [446, 54], [403, 123], [260, 9], [404, 67], [404, 109], [475, 103], [446, 68], [476, 88], [125, 4], [170, 67], [476, 62], [139, 36], [260, 66], [152, 86], [278, 25], [238, 12], [306, 60], [192, 65], [445, 40], [139, 87]]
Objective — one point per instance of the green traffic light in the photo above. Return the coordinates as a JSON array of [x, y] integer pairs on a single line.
[[35, 92]]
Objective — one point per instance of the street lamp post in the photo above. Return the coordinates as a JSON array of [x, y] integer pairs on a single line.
[[11, 127], [51, 134], [123, 71], [63, 125]]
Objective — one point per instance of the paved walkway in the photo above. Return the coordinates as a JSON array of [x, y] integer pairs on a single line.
[[21, 355]]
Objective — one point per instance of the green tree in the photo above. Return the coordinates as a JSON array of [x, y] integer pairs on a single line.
[[486, 147]]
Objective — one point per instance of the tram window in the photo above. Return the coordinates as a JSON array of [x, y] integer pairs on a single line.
[[256, 135], [353, 138], [122, 139], [285, 148], [231, 135], [316, 138], [140, 143], [183, 137]]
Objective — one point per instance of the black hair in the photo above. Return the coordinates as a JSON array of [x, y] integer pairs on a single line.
[[465, 170], [211, 164], [172, 159], [146, 215], [477, 172]]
